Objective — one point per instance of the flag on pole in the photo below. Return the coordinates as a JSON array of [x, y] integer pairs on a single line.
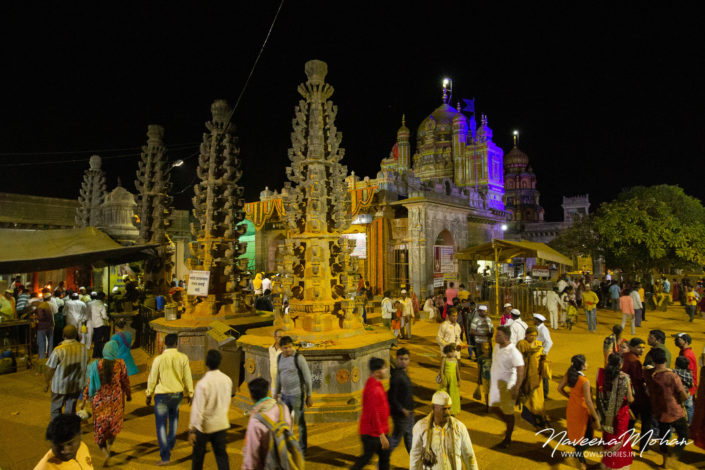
[[469, 105]]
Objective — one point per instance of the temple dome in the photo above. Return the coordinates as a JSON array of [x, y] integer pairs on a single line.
[[443, 116], [516, 159]]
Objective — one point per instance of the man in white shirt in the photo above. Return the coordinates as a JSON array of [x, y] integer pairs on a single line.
[[76, 314], [274, 351], [98, 320], [545, 337], [209, 413], [266, 284], [506, 376], [387, 309], [449, 332], [553, 304], [407, 314], [517, 327]]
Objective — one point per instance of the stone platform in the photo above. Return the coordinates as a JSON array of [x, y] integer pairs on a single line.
[[339, 368], [195, 342]]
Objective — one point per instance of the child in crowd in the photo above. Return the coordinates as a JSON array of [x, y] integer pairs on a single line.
[[450, 376], [484, 365], [396, 320], [686, 376]]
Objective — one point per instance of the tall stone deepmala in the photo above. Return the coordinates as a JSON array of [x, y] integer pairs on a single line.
[[91, 195], [317, 208], [218, 208], [154, 206]]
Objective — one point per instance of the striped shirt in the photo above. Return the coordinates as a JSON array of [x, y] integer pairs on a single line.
[[170, 373], [69, 361], [22, 301]]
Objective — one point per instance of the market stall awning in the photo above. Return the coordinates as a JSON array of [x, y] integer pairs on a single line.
[[507, 249], [43, 250]]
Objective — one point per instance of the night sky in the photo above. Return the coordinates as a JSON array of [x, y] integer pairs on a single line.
[[604, 98]]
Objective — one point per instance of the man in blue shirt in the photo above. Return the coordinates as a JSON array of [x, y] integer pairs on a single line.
[[614, 295]]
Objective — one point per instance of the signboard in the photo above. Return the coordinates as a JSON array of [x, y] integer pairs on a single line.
[[198, 282], [540, 271], [443, 261], [360, 250]]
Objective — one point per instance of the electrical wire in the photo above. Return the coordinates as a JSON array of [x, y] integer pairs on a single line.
[[64, 152], [79, 160], [252, 70]]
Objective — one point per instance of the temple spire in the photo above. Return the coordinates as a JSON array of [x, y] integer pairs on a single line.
[[516, 137]]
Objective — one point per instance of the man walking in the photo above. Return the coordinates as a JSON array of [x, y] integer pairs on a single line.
[[401, 402], [517, 327], [374, 421], [553, 302], [545, 337], [449, 332], [66, 373], [614, 296], [209, 413], [76, 314], [169, 378], [667, 395], [407, 314], [481, 329], [294, 385], [590, 300], [636, 301], [506, 377], [444, 436], [387, 309], [98, 320]]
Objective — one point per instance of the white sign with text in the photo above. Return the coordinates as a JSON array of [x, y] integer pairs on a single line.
[[198, 282]]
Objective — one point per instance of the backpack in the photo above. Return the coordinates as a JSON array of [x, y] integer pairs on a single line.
[[284, 451]]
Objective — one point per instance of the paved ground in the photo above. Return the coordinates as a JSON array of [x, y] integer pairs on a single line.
[[24, 412]]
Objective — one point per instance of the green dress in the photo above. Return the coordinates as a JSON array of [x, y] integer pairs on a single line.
[[452, 388]]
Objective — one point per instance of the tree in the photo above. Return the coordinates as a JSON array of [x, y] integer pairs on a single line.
[[658, 227], [580, 239]]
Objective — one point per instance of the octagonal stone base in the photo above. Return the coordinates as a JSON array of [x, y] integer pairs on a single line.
[[195, 342], [339, 370]]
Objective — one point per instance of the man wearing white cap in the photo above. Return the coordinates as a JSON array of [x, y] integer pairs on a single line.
[[506, 377], [407, 314], [506, 318], [481, 328], [83, 295], [440, 441], [518, 327], [545, 337]]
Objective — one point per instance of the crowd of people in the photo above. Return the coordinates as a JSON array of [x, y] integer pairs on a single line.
[[512, 365]]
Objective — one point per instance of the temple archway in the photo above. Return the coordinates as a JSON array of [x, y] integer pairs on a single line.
[[274, 246]]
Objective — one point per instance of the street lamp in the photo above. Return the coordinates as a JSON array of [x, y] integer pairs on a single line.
[[177, 163]]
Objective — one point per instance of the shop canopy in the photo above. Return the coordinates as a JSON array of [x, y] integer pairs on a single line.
[[506, 249], [44, 250]]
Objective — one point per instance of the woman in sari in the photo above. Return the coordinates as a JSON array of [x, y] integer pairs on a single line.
[[614, 394], [123, 338], [580, 408], [531, 393], [107, 388]]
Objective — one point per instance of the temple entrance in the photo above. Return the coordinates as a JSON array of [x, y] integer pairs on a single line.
[[445, 266], [275, 247], [399, 268]]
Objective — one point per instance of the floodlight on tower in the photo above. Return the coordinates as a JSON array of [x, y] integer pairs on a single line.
[[447, 89]]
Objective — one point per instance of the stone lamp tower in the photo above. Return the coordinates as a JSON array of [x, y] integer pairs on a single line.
[[92, 195], [317, 263], [218, 208], [154, 206]]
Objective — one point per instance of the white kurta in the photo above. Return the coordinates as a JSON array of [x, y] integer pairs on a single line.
[[447, 458]]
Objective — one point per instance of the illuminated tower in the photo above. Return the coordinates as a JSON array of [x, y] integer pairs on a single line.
[[460, 161], [92, 195], [403, 148]]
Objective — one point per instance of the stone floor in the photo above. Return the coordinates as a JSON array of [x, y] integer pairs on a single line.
[[24, 411]]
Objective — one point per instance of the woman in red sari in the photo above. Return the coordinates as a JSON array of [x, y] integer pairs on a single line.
[[614, 394], [108, 386]]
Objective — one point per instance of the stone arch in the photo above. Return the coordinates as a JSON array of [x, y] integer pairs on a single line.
[[445, 238]]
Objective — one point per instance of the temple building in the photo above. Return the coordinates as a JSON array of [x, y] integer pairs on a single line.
[[522, 197], [425, 204]]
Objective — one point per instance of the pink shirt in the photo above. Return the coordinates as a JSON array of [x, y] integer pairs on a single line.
[[626, 304], [450, 295], [254, 451]]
